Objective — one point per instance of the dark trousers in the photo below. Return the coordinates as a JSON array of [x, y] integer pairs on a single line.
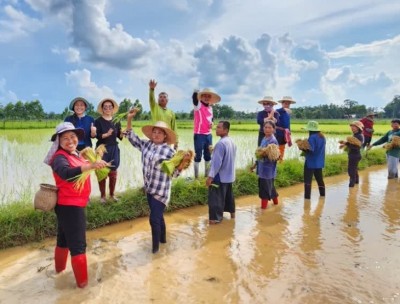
[[157, 222], [352, 168], [308, 175], [261, 135], [367, 141], [220, 200], [71, 228], [202, 143], [266, 188]]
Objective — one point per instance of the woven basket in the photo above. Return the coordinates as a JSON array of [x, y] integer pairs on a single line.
[[46, 197]]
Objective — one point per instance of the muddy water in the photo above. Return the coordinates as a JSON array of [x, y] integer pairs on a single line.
[[344, 248]]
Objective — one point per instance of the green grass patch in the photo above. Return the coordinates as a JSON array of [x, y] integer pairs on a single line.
[[20, 224]]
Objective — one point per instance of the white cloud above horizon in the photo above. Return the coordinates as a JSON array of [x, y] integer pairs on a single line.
[[318, 53]]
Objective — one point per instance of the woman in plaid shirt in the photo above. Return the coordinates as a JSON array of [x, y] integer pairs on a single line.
[[157, 184]]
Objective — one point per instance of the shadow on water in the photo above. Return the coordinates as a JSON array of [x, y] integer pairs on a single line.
[[339, 249]]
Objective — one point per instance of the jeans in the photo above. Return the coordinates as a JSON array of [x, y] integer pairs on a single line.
[[201, 146]]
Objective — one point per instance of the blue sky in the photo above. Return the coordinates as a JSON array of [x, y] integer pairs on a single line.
[[316, 51]]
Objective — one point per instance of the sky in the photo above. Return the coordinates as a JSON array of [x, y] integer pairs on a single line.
[[318, 52]]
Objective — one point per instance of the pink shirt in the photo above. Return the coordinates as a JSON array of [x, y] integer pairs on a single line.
[[202, 119]]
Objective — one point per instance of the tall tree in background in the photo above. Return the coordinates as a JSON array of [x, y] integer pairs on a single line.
[[392, 109]]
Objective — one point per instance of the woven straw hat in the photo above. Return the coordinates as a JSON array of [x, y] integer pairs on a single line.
[[358, 124], [171, 136], [287, 98], [215, 98], [268, 99], [100, 105]]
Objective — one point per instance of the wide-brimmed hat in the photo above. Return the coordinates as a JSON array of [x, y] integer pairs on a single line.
[[312, 125], [72, 103], [358, 124], [269, 99], [215, 98], [371, 114], [287, 98], [67, 126], [100, 105], [171, 136]]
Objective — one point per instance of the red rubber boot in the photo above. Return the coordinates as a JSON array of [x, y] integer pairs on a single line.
[[264, 203], [79, 265], [60, 258], [275, 200]]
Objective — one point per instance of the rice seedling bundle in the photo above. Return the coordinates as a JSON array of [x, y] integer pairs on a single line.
[[395, 143], [271, 152], [169, 166], [303, 144], [117, 118], [353, 141]]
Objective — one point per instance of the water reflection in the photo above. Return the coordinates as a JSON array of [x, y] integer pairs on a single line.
[[391, 207], [351, 217]]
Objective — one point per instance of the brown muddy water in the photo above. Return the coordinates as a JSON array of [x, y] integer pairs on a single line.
[[344, 248]]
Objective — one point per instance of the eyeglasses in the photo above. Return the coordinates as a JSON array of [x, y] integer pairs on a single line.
[[108, 107]]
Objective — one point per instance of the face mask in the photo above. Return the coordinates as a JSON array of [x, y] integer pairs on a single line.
[[267, 108]]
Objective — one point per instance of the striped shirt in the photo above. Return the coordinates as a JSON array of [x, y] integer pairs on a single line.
[[156, 182]]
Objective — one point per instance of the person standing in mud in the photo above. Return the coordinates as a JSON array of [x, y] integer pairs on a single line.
[[266, 169], [159, 111], [79, 119], [221, 176], [393, 148], [283, 125], [353, 146], [368, 123], [107, 134], [315, 159], [157, 184], [64, 159], [267, 114], [203, 120]]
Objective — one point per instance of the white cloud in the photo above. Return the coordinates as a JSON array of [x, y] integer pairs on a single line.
[[6, 95], [17, 24], [71, 54], [105, 44], [82, 82]]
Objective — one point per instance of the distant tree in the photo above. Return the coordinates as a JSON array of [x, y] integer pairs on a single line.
[[137, 104], [223, 111], [9, 111], [34, 110], [392, 109], [125, 105]]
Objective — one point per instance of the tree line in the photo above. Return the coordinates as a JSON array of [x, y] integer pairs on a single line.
[[33, 110]]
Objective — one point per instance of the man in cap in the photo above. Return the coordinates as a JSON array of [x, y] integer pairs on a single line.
[[159, 111], [368, 123]]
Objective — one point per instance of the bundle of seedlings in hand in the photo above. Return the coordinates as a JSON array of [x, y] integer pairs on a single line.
[[303, 145], [351, 140], [92, 156], [121, 116], [394, 143], [181, 156], [271, 152]]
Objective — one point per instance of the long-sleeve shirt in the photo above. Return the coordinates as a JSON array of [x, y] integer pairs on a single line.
[[265, 167], [103, 126], [264, 114], [354, 149], [203, 116], [395, 152], [222, 167], [315, 156], [368, 126], [160, 114], [282, 124], [156, 182]]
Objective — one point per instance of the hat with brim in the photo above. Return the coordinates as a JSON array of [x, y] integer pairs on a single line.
[[312, 126], [100, 105], [371, 114], [72, 103], [357, 124], [65, 127], [287, 98], [215, 98], [171, 136], [268, 99]]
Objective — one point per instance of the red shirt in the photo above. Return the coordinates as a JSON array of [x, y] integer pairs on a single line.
[[368, 126]]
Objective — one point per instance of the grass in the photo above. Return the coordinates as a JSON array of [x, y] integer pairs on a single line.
[[20, 224]]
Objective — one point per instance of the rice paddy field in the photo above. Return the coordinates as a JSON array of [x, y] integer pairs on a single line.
[[23, 150]]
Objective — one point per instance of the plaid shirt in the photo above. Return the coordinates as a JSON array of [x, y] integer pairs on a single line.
[[156, 182]]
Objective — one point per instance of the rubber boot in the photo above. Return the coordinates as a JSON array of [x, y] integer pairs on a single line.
[[282, 152], [60, 258], [321, 190], [357, 181], [113, 181], [206, 168], [275, 200], [196, 170], [102, 187], [264, 203], [307, 191], [155, 235], [79, 266]]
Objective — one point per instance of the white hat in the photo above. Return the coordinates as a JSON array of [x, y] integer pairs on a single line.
[[287, 98], [215, 98], [171, 136], [68, 126], [100, 105], [269, 99]]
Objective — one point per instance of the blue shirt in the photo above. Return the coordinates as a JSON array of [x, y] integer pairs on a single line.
[[84, 123], [283, 123], [265, 167], [315, 157], [263, 114], [222, 168]]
